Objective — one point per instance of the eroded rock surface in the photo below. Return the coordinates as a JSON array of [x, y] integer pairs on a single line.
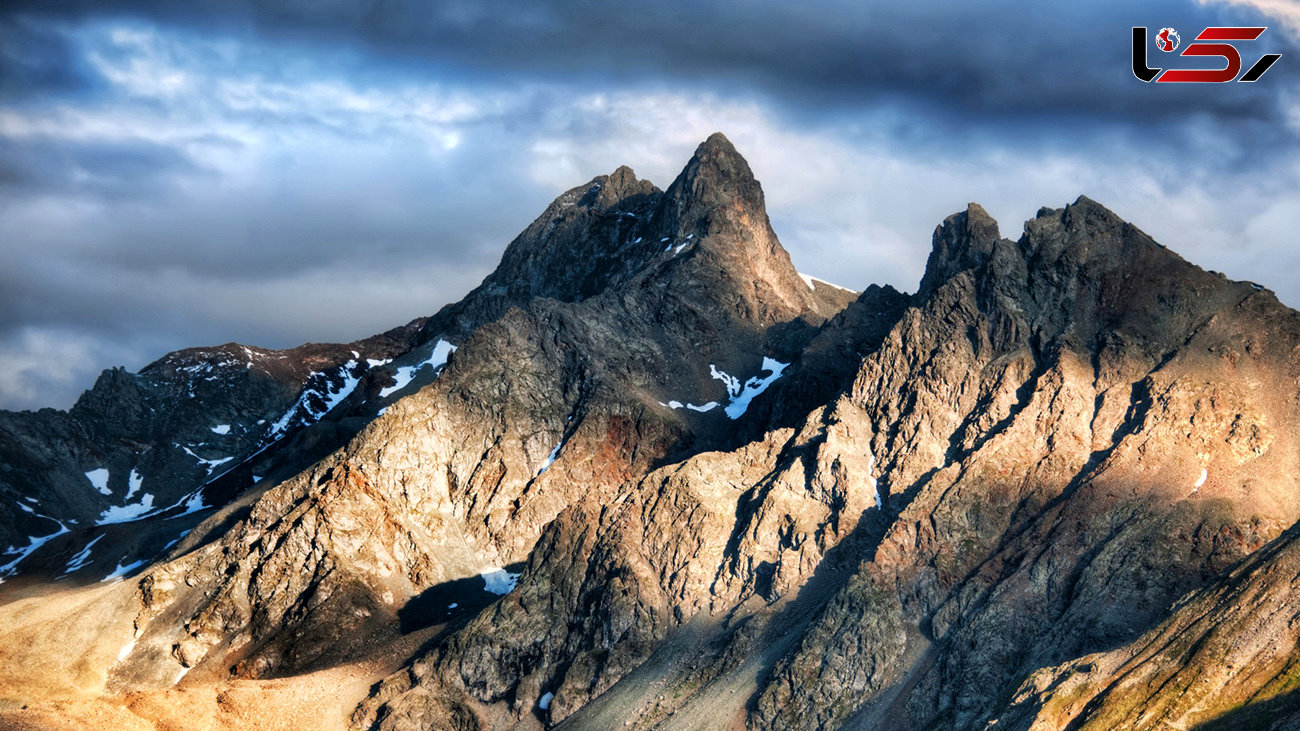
[[645, 475]]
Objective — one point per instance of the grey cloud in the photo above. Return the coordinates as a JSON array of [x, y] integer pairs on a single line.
[[985, 63], [35, 57], [95, 169]]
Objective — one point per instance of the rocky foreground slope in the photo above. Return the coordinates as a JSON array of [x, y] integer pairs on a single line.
[[647, 475]]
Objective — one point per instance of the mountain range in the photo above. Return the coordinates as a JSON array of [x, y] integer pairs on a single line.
[[648, 475]]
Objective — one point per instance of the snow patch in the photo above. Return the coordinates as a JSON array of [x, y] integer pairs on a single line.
[[134, 482], [731, 383], [809, 280], [193, 503], [179, 538], [33, 543], [333, 398], [550, 459], [741, 396], [99, 480], [545, 701], [79, 561], [1205, 475], [498, 581], [126, 513], [122, 570], [222, 429], [702, 408], [306, 411], [871, 478], [210, 464], [438, 358]]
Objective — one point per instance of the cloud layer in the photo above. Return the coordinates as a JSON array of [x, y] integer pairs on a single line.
[[276, 173]]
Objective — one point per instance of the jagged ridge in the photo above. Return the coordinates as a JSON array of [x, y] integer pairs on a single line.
[[940, 512]]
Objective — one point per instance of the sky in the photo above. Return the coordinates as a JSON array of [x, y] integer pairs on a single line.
[[272, 173]]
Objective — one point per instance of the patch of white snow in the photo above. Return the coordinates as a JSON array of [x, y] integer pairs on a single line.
[[126, 513], [134, 482], [405, 374], [498, 581], [550, 459], [99, 480], [871, 478], [810, 280], [121, 570], [33, 543], [82, 557], [742, 396], [210, 464]]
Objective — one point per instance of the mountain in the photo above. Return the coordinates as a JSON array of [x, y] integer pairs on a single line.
[[648, 475], [182, 434]]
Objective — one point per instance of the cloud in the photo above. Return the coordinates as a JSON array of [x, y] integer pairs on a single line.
[[981, 63], [1287, 12], [45, 368]]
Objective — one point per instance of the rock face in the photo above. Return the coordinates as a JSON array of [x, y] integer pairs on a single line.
[[1100, 443], [1060, 437], [645, 475], [183, 433], [554, 402]]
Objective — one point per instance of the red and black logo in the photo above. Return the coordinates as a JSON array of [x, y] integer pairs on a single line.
[[1167, 40]]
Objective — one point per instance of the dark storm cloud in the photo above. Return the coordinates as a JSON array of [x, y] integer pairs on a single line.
[[35, 58], [986, 62]]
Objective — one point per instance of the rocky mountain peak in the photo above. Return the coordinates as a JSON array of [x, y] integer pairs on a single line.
[[964, 240], [715, 211], [704, 245], [620, 188], [715, 188]]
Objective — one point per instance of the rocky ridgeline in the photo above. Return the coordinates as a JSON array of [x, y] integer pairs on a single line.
[[645, 475]]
